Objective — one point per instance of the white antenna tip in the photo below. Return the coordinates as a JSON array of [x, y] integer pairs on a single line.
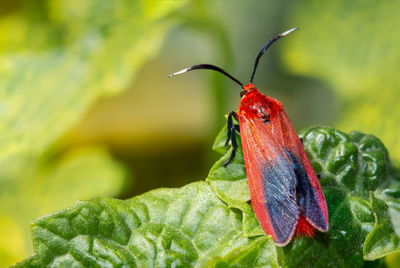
[[289, 31], [179, 72]]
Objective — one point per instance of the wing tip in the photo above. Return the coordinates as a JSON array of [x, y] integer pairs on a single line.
[[322, 227], [283, 243], [289, 237]]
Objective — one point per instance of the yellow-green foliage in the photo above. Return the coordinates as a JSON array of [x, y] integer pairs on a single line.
[[56, 59], [353, 47]]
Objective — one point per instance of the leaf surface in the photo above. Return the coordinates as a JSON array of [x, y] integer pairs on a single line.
[[212, 224], [165, 227], [351, 167]]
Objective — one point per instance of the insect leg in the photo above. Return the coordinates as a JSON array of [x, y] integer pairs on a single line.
[[229, 126], [235, 115], [231, 137], [234, 148]]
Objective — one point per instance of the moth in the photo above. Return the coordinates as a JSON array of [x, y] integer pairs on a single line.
[[286, 195]]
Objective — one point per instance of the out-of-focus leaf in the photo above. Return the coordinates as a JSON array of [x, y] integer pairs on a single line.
[[40, 189], [12, 241], [95, 50], [354, 49], [392, 261], [189, 226], [56, 59]]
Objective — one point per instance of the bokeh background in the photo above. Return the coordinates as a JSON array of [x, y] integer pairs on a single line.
[[87, 108]]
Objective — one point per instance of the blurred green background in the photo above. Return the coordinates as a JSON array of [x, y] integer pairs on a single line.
[[87, 108]]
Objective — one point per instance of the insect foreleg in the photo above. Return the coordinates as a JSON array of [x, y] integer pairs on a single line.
[[232, 128]]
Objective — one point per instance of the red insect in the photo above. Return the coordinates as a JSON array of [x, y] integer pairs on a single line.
[[286, 195]]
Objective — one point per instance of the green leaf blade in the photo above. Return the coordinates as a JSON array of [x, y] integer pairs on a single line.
[[165, 227], [382, 240], [212, 224]]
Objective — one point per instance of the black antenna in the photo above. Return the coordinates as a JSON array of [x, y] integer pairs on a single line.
[[267, 45], [208, 67]]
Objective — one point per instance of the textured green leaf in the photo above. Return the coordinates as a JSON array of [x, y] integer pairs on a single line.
[[260, 252], [166, 227], [356, 164], [351, 219], [351, 165], [230, 183], [360, 171], [213, 225], [357, 161], [391, 195], [382, 240], [354, 50]]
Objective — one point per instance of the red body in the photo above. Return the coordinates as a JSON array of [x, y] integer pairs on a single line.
[[285, 192]]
